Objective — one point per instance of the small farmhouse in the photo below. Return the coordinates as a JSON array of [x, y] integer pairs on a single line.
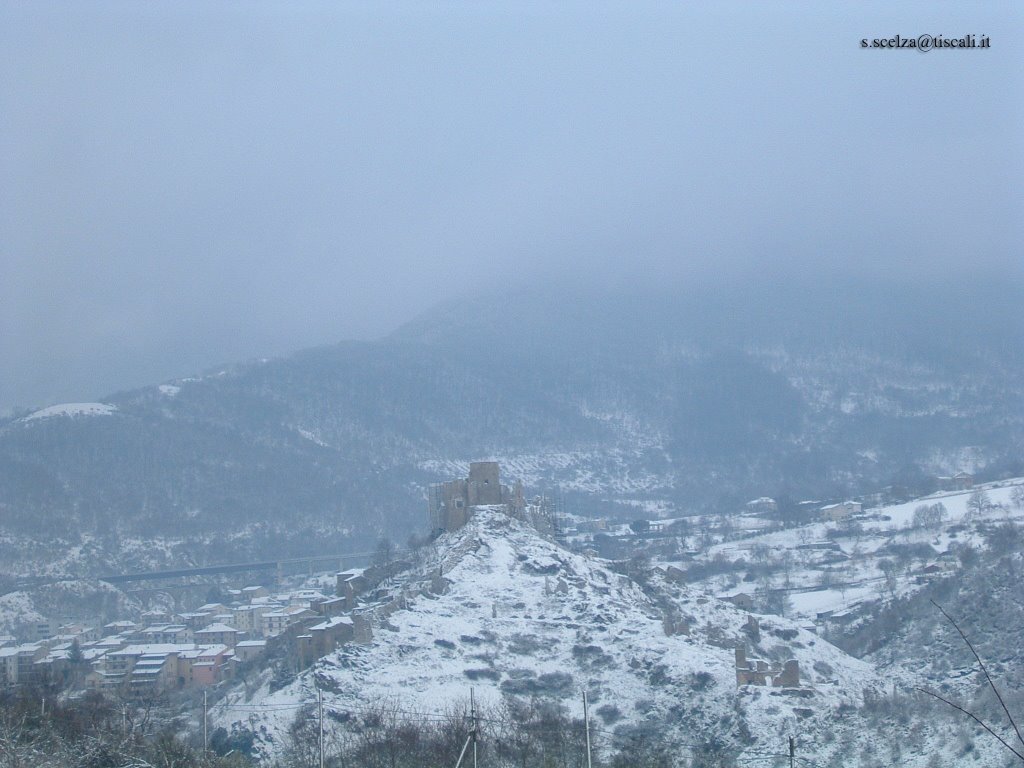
[[841, 511]]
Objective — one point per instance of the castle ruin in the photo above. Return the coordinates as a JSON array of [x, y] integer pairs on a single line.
[[759, 672], [451, 503]]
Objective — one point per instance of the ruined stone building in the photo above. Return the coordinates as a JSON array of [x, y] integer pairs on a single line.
[[760, 672], [451, 503]]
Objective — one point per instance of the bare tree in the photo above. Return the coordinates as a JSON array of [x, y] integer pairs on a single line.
[[978, 502], [1017, 497], [992, 685], [930, 515], [383, 556]]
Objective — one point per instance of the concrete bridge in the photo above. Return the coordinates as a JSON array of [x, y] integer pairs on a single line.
[[277, 567]]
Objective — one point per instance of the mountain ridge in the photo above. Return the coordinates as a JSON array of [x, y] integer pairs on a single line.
[[673, 399]]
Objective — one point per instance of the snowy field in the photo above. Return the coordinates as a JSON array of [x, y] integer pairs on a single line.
[[807, 558]]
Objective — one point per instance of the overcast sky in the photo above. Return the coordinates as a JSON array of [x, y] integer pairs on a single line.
[[183, 184]]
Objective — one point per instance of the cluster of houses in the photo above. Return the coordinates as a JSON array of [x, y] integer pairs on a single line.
[[844, 510], [210, 644], [194, 649]]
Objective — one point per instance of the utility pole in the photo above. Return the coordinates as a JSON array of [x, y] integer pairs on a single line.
[[124, 719], [206, 741], [586, 723], [472, 714], [792, 750], [320, 714], [462, 754]]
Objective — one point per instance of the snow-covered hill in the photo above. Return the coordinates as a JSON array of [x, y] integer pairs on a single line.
[[520, 616]]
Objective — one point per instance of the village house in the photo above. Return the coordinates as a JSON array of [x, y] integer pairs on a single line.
[[152, 672], [166, 633], [592, 526], [45, 628], [27, 655], [332, 606], [147, 667], [114, 670], [762, 506], [54, 665], [837, 618], [213, 608], [741, 600], [9, 665], [671, 573], [844, 510], [322, 638], [351, 584], [275, 622], [119, 628], [112, 642], [155, 616], [195, 619], [962, 481], [217, 634], [84, 633], [247, 650], [307, 598], [203, 666], [247, 619], [941, 566]]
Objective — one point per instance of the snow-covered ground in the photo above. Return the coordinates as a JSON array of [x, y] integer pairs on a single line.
[[823, 569], [521, 615]]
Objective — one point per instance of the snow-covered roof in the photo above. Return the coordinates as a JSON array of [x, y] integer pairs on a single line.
[[150, 649], [164, 628], [333, 622], [202, 651], [216, 628]]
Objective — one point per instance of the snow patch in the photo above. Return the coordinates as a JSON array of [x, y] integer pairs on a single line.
[[312, 437], [73, 409]]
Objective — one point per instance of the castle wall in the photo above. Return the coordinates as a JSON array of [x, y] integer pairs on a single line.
[[484, 486]]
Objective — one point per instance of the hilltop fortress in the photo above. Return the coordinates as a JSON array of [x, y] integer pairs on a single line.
[[451, 503]]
